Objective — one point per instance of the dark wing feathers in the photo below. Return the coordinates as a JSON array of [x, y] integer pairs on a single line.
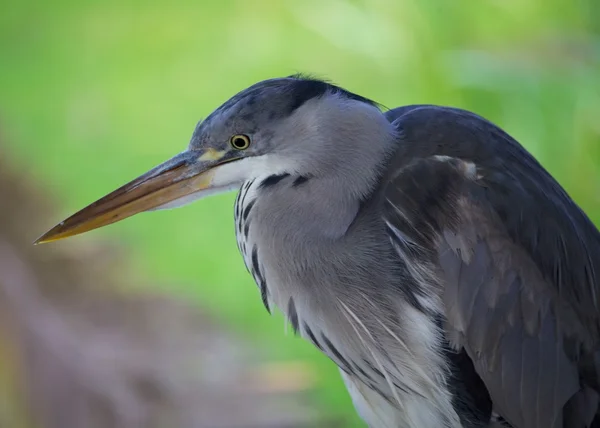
[[516, 258]]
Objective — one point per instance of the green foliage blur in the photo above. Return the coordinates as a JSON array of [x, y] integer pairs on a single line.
[[93, 94]]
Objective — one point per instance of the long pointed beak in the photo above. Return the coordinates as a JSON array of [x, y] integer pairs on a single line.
[[187, 173]]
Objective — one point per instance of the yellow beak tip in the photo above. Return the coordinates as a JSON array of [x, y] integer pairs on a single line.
[[41, 241], [54, 234], [44, 239]]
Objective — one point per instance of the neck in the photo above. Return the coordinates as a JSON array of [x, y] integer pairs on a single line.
[[344, 145], [315, 184], [323, 204]]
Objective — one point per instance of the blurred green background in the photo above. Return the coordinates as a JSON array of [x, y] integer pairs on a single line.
[[93, 94]]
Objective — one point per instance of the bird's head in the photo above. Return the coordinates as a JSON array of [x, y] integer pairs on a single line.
[[294, 125]]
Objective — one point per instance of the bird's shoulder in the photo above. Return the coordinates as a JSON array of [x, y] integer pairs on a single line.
[[452, 167], [517, 259]]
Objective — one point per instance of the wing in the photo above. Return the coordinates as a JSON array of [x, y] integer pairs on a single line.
[[514, 259]]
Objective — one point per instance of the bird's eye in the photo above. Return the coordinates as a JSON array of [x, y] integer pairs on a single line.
[[240, 142]]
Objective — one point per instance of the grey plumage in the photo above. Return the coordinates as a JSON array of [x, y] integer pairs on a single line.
[[422, 249], [436, 202]]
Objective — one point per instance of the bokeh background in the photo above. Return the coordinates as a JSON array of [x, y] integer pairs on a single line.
[[154, 321]]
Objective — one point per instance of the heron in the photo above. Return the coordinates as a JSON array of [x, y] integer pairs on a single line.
[[425, 251]]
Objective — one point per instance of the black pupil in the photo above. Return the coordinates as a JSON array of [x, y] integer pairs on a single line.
[[239, 142]]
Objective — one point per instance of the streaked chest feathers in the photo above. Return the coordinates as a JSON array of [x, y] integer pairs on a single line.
[[393, 370]]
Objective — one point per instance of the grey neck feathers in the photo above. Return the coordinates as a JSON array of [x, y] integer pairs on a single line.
[[336, 163], [341, 140]]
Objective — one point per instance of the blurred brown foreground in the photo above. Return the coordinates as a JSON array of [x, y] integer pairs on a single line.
[[77, 353]]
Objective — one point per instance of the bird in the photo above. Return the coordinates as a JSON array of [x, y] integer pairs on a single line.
[[422, 249]]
